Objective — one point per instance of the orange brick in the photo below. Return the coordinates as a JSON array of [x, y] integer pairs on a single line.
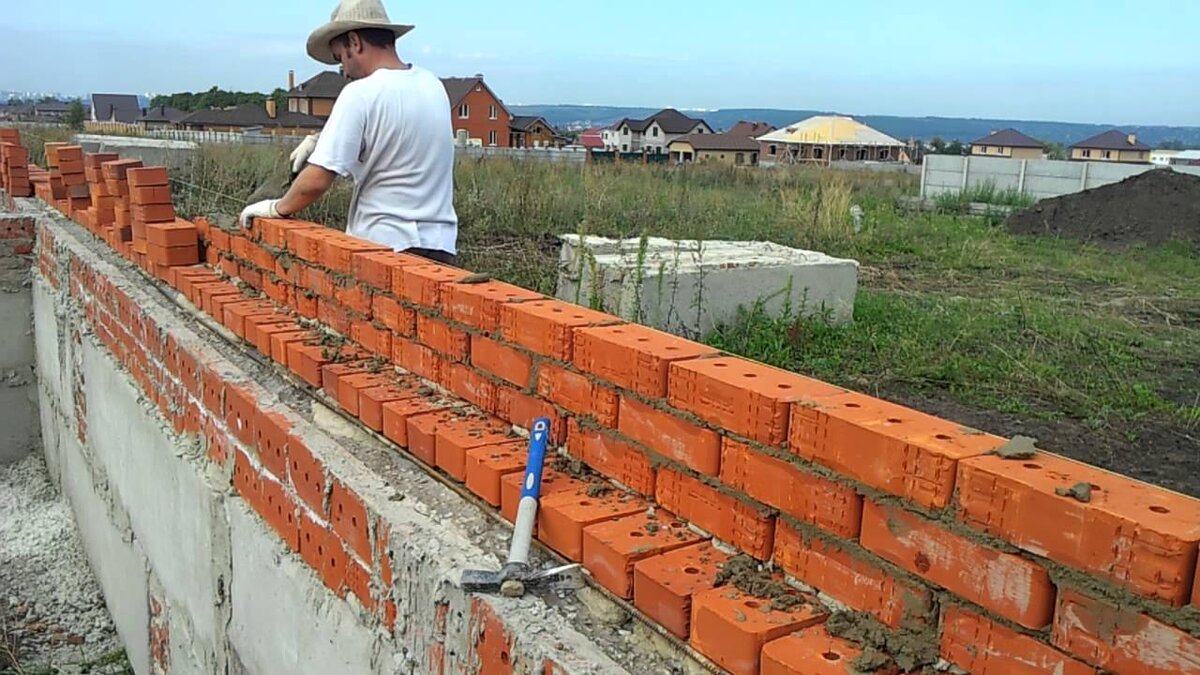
[[335, 316], [1016, 589], [811, 651], [634, 357], [274, 231], [465, 382], [521, 409], [553, 482], [279, 510], [348, 517], [372, 399], [578, 394], [1140, 536], [467, 431], [611, 548], [487, 465], [731, 627], [1121, 640], [353, 297], [306, 360], [305, 243], [246, 481], [547, 327], [240, 410], [176, 233], [376, 269], [271, 438], [376, 340], [358, 582], [745, 397], [443, 338], [982, 646], [418, 359], [396, 415], [423, 284], [234, 315], [853, 581], [610, 457], [563, 515], [325, 552], [146, 176], [887, 446], [663, 585], [501, 360], [725, 516], [306, 474], [833, 507], [333, 373], [690, 445], [175, 255], [393, 315], [351, 387], [281, 338], [146, 195], [339, 248], [422, 433], [478, 305]]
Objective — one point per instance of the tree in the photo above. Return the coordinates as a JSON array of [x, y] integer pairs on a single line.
[[280, 98], [74, 116], [48, 99], [938, 145], [1054, 150], [16, 101], [955, 148]]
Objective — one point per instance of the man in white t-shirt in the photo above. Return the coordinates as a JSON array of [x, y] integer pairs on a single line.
[[390, 132]]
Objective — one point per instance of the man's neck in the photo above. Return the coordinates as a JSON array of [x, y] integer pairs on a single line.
[[387, 61]]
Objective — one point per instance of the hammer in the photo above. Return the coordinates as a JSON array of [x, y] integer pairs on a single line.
[[517, 575]]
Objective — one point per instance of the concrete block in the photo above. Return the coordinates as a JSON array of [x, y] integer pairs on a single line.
[[16, 329], [284, 619], [19, 420], [690, 287], [174, 513], [113, 554]]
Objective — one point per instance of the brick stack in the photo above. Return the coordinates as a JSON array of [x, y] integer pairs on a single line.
[[149, 201], [70, 170], [173, 244], [102, 214], [116, 181], [54, 191], [14, 165]]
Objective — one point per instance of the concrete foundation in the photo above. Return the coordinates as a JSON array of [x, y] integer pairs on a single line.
[[197, 582], [690, 287]]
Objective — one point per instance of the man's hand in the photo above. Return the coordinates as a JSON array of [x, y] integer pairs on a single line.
[[264, 209], [302, 152]]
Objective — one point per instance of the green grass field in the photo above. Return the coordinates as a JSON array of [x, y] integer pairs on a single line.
[[1094, 351]]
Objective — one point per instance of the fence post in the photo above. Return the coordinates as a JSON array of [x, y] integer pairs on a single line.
[[924, 173], [1021, 179], [966, 173], [1083, 176]]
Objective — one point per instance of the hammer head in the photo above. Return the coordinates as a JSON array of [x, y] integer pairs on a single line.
[[514, 579]]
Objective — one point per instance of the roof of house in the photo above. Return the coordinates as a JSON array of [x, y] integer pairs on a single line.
[[250, 115], [830, 130], [163, 113], [325, 84], [674, 122], [457, 88], [1114, 139], [523, 122], [51, 106], [731, 142], [1009, 138], [118, 107], [752, 129]]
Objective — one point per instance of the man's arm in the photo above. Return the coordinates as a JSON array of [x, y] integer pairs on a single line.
[[308, 187]]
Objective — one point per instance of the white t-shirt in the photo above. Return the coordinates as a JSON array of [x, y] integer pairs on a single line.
[[391, 133]]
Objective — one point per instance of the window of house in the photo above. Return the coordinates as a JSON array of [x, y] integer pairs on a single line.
[[818, 153], [464, 111], [771, 150], [491, 112], [625, 147], [492, 137], [883, 154], [1107, 154], [754, 158], [739, 158], [1087, 153], [655, 134], [861, 154]]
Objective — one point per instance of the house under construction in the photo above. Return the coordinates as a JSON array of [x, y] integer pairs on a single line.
[[826, 138]]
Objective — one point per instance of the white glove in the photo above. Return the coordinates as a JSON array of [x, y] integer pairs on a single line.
[[263, 209], [300, 155]]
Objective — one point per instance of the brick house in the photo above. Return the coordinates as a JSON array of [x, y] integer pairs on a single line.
[[252, 116], [534, 132], [476, 113], [314, 96]]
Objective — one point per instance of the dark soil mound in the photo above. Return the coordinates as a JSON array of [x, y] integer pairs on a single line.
[[1152, 207]]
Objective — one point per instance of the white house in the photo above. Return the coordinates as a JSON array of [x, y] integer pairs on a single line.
[[653, 134]]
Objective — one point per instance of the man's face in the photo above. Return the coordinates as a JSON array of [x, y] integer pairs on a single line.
[[348, 52]]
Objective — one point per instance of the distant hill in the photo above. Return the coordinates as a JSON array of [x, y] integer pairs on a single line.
[[902, 128]]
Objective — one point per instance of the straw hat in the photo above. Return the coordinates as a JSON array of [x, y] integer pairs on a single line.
[[350, 15]]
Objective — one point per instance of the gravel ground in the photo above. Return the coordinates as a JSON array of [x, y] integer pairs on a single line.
[[52, 614]]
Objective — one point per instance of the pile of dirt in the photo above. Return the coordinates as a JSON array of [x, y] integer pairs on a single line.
[[1152, 208]]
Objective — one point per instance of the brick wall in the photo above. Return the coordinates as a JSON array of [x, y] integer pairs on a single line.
[[997, 563]]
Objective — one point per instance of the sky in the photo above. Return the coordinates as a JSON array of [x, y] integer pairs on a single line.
[[1099, 61]]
